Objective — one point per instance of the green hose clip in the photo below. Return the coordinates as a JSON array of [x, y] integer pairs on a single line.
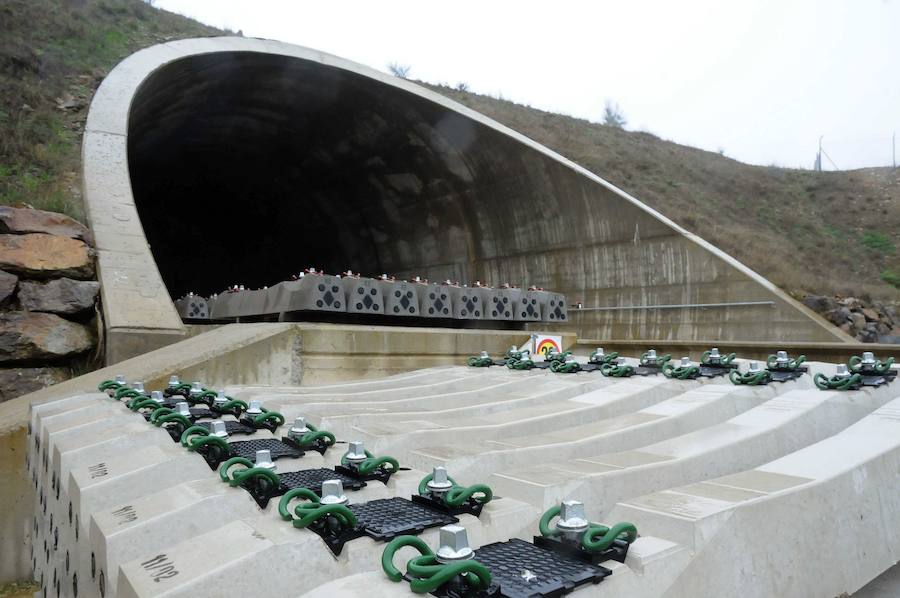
[[261, 419], [457, 495], [661, 360], [606, 358], [264, 479], [724, 360], [855, 365], [183, 389], [823, 382], [589, 540], [749, 378], [426, 573], [681, 372], [127, 393], [478, 361], [142, 403], [616, 371], [314, 435], [510, 354], [793, 364], [108, 385], [520, 364], [206, 397], [235, 406], [372, 463], [307, 513], [197, 437], [557, 357], [565, 367]]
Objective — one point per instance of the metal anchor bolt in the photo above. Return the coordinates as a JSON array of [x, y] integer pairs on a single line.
[[714, 355], [174, 381], [484, 355], [599, 352], [781, 358], [220, 399], [156, 396], [138, 386], [651, 356], [842, 371], [868, 358], [120, 379], [196, 389], [264, 459], [440, 481], [217, 428], [754, 368], [356, 454], [255, 408], [298, 429], [333, 493], [572, 519], [453, 545], [182, 408], [686, 362]]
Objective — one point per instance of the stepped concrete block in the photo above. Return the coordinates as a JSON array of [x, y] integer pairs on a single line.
[[363, 295]]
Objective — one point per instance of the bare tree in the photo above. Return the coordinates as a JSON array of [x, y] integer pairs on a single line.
[[399, 70], [462, 86], [613, 115]]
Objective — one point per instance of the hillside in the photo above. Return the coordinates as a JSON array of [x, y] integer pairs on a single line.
[[829, 233]]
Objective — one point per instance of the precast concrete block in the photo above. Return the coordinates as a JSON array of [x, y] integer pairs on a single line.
[[192, 307], [435, 300], [553, 306], [504, 304], [313, 292], [401, 298], [469, 303], [527, 307], [364, 295]]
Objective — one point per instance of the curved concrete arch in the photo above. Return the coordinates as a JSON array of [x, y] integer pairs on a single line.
[[232, 160]]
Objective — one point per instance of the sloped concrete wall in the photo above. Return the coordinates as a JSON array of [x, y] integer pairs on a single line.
[[245, 160]]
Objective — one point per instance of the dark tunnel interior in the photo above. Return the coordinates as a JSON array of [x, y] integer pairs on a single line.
[[248, 167]]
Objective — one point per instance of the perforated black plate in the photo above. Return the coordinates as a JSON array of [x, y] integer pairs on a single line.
[[524, 570], [313, 478], [232, 427], [647, 370], [248, 448], [387, 518], [714, 371], [787, 375]]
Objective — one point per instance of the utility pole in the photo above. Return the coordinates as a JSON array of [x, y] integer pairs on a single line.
[[894, 149], [818, 166]]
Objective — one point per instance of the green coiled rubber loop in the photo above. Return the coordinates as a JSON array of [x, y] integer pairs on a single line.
[[479, 362], [608, 535], [314, 435], [262, 418], [661, 360], [607, 358], [265, 478], [559, 357], [180, 388], [520, 364], [372, 463], [197, 442], [594, 529], [312, 511], [126, 393], [855, 365], [562, 367], [204, 396], [109, 385], [426, 572], [750, 379], [141, 403], [793, 364], [834, 383], [680, 373], [224, 467], [510, 354], [189, 433], [157, 413], [723, 360], [616, 371], [230, 405], [172, 417], [457, 495]]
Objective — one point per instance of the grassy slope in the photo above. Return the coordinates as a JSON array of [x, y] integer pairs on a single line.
[[818, 232]]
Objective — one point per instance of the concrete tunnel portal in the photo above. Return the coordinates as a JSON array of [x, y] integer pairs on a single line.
[[218, 161]]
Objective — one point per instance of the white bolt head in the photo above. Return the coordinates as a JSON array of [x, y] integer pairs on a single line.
[[842, 371], [572, 517], [356, 453], [255, 407], [651, 354], [440, 480], [157, 396], [599, 352], [299, 427], [453, 545], [138, 386], [333, 493], [182, 408], [120, 379], [484, 355], [685, 362], [782, 356], [264, 459], [217, 428], [196, 388], [220, 399], [714, 352], [868, 357], [174, 381], [754, 367]]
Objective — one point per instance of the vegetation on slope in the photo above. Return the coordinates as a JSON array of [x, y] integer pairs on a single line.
[[829, 232]]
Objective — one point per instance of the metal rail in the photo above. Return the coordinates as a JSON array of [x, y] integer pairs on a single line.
[[673, 306]]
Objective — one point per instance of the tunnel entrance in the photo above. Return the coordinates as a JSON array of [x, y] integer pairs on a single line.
[[248, 167]]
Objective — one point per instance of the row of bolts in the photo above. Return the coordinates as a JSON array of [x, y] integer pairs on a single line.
[[454, 544]]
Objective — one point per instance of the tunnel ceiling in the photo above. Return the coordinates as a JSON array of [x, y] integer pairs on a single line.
[[247, 167]]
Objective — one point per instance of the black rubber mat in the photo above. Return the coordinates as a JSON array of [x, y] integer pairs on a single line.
[[248, 448], [232, 427], [787, 375], [714, 371], [524, 570], [387, 518], [313, 478]]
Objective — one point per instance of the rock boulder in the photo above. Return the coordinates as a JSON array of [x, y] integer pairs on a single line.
[[819, 303], [39, 255], [60, 296], [20, 381], [8, 284], [28, 336], [27, 220]]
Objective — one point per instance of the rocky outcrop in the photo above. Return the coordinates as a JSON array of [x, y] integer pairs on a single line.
[[39, 255], [46, 299], [60, 296], [26, 220], [867, 322], [28, 337]]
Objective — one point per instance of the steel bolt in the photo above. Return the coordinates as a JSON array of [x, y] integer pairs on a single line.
[[484, 355], [356, 454], [157, 396], [264, 459], [572, 519], [174, 381], [255, 407], [651, 355], [196, 388], [782, 358], [120, 379], [182, 408], [754, 368], [685, 362], [599, 352], [453, 545], [440, 481], [842, 371], [333, 493], [220, 399], [217, 428], [138, 386], [868, 358], [299, 428]]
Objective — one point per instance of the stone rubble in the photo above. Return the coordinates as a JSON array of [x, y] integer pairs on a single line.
[[873, 322]]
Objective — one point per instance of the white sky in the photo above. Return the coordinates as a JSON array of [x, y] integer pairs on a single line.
[[760, 79]]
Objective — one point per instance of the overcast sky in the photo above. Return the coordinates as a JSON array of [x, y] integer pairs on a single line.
[[759, 79]]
